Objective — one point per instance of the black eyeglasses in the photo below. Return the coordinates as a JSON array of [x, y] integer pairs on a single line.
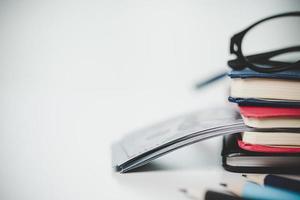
[[262, 62]]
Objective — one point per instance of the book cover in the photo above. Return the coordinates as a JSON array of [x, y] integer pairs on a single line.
[[265, 112], [248, 73], [264, 102], [235, 159], [266, 148]]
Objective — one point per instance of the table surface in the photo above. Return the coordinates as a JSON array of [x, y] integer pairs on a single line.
[[76, 76]]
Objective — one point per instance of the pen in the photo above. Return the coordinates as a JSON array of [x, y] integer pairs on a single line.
[[210, 80], [250, 190], [275, 181], [209, 195]]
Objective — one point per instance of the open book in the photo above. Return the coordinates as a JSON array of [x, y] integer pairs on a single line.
[[143, 146]]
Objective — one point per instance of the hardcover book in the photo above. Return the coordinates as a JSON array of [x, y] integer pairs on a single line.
[[236, 159], [264, 102]]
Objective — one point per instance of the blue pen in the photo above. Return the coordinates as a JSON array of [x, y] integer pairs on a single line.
[[249, 190]]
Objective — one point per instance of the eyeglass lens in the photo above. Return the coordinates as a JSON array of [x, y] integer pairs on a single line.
[[272, 35]]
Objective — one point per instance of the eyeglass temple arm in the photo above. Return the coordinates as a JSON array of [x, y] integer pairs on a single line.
[[210, 80], [264, 58], [270, 54]]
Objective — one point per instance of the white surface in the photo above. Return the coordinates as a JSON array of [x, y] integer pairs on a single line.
[[77, 75]]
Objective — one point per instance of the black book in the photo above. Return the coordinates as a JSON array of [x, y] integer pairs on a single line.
[[236, 159]]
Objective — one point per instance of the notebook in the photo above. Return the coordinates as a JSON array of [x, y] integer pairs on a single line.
[[141, 147], [272, 138], [264, 102], [272, 122], [270, 117], [267, 149], [268, 112], [260, 99], [239, 160], [265, 88], [248, 73]]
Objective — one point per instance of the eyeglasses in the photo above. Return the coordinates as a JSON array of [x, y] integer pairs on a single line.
[[262, 62]]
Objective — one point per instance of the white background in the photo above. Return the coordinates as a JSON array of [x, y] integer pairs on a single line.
[[77, 75]]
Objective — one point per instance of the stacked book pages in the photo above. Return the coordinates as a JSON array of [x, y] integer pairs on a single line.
[[142, 146], [270, 104]]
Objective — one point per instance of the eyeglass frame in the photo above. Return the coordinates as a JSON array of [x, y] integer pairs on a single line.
[[241, 62]]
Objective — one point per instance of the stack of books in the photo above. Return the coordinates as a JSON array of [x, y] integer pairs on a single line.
[[269, 104]]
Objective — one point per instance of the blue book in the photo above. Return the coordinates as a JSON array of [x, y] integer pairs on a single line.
[[280, 89], [264, 102], [248, 73]]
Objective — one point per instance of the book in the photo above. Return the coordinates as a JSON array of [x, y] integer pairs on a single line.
[[261, 91], [264, 102], [269, 112], [270, 117], [272, 138], [141, 147], [235, 159], [278, 122], [265, 88], [267, 149], [248, 73]]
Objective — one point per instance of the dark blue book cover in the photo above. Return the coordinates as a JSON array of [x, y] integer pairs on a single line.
[[248, 73], [264, 102]]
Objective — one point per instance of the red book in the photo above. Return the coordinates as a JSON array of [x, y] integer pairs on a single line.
[[267, 149], [266, 112]]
